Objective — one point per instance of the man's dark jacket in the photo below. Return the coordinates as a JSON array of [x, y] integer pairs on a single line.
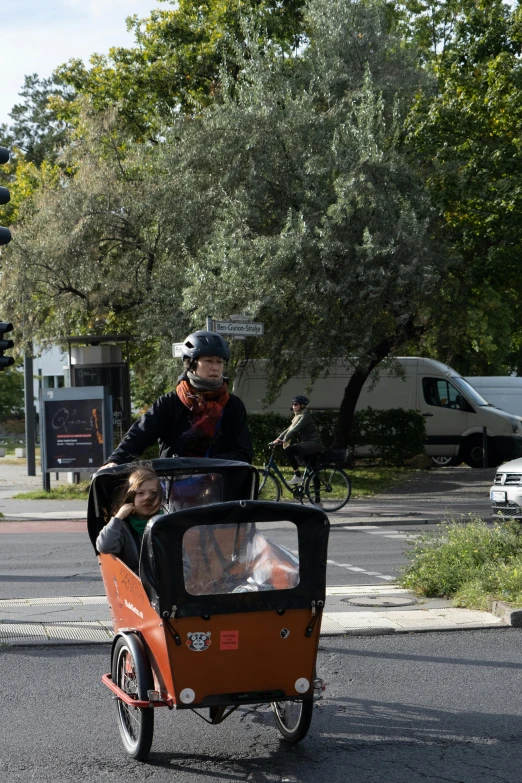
[[168, 419]]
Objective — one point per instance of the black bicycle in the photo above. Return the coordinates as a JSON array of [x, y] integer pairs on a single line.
[[323, 484]]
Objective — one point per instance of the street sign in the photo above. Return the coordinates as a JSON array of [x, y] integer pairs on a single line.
[[177, 350], [239, 329]]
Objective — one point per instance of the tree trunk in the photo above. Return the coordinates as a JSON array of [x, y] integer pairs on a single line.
[[343, 429]]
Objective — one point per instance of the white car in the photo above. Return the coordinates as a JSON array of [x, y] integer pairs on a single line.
[[506, 492]]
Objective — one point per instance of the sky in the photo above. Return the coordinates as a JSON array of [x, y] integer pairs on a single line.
[[39, 35]]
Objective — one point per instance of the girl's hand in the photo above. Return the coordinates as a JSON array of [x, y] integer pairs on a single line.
[[125, 511]]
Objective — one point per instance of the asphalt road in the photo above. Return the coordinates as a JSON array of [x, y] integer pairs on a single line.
[[42, 559], [34, 565], [416, 708]]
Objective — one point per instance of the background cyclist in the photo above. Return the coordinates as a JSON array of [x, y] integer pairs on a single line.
[[301, 439]]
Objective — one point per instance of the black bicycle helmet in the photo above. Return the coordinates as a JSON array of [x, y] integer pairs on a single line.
[[205, 344], [301, 399]]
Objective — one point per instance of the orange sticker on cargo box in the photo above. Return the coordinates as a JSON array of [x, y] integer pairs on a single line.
[[229, 640]]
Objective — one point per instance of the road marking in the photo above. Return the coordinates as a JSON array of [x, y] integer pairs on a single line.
[[361, 570], [373, 530]]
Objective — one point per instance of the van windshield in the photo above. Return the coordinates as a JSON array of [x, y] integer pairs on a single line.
[[470, 392]]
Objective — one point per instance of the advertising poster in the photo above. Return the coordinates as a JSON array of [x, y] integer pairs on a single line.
[[73, 434]]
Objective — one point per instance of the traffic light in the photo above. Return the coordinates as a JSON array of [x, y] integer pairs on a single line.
[[5, 345], [5, 197]]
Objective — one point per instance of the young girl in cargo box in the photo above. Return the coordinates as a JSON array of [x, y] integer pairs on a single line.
[[137, 503]]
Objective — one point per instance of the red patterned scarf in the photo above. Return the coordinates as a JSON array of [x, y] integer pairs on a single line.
[[207, 410]]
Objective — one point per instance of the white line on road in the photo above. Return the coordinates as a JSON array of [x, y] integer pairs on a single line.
[[360, 570], [386, 532]]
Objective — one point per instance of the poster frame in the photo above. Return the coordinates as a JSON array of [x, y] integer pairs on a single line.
[[73, 394]]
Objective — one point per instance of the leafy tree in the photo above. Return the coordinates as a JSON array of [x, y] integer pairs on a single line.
[[288, 198], [36, 130], [88, 250], [177, 59], [11, 392], [316, 222], [465, 135], [34, 139]]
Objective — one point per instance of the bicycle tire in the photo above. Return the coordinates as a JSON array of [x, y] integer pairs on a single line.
[[269, 487], [293, 718], [136, 724], [335, 488]]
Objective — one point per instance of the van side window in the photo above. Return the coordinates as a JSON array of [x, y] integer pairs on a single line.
[[442, 394]]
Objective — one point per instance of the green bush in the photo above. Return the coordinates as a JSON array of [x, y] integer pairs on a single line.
[[11, 392], [393, 435], [264, 427], [469, 562]]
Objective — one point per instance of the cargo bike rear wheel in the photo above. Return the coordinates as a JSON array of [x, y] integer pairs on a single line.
[[293, 718], [132, 673]]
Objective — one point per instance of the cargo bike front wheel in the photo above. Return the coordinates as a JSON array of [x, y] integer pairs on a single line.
[[293, 718], [131, 672]]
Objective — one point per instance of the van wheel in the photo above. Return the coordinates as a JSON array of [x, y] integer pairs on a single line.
[[446, 462], [473, 453]]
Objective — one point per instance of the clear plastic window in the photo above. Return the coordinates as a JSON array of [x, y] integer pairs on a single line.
[[188, 490], [225, 558]]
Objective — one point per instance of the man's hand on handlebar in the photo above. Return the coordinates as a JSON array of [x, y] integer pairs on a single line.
[[276, 442]]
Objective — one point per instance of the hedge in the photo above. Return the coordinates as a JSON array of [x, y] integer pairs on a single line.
[[393, 435]]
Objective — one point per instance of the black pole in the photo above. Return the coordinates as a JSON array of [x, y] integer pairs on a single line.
[[30, 435], [485, 462]]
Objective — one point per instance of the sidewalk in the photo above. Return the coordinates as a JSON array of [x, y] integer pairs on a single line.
[[86, 619], [426, 498]]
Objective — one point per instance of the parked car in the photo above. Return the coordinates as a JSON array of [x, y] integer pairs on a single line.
[[506, 492]]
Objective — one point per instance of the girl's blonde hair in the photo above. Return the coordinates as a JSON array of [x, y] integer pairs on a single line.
[[138, 477]]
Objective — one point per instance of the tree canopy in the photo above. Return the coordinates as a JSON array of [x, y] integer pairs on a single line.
[[346, 171], [178, 59], [465, 134], [289, 198]]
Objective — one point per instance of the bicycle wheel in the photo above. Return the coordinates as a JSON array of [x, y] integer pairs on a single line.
[[269, 488], [136, 724], [328, 487], [293, 718]]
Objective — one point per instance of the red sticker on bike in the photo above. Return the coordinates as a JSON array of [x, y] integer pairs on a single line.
[[229, 640]]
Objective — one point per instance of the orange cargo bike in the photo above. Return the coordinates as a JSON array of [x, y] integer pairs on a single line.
[[221, 614]]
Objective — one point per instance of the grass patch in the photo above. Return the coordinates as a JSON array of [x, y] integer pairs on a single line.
[[371, 481], [365, 481], [471, 563], [63, 492]]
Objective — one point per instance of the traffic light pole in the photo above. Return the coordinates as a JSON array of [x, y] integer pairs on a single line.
[[30, 435]]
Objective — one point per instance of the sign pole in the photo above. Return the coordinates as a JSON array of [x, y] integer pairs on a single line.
[[210, 325], [29, 412]]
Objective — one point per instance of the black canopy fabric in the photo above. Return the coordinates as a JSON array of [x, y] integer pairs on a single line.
[[161, 564], [240, 482]]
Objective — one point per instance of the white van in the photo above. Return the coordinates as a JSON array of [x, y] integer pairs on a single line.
[[502, 391], [455, 412]]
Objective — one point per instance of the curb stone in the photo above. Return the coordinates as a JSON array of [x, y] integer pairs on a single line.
[[507, 613]]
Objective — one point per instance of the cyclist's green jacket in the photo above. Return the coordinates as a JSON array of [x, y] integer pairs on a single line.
[[302, 430]]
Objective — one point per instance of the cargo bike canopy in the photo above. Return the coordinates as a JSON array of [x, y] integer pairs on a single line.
[[223, 558], [186, 482], [217, 551]]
